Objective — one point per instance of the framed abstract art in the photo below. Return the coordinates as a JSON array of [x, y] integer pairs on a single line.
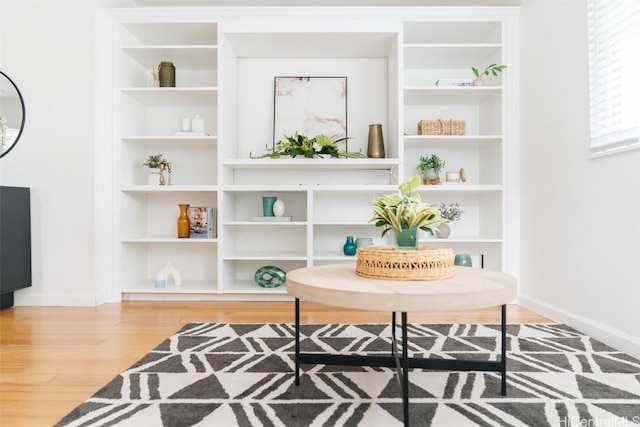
[[310, 106]]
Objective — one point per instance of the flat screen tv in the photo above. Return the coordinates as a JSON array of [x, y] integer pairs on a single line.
[[15, 242]]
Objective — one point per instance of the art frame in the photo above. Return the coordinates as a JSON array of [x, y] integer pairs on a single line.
[[310, 106]]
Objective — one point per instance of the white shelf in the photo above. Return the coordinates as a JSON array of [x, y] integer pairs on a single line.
[[291, 223], [316, 164], [459, 239], [170, 239], [453, 32], [187, 57], [171, 32], [324, 44], [174, 96], [332, 256], [338, 222], [187, 287], [442, 95], [168, 188], [453, 141], [251, 287], [449, 55], [275, 255], [460, 188], [172, 141]]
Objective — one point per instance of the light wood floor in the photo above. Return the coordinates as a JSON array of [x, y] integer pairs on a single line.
[[53, 358]]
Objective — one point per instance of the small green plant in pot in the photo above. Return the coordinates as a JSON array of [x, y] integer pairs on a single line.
[[404, 213], [430, 167], [492, 69]]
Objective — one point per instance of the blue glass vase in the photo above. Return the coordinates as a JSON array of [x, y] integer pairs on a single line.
[[349, 247]]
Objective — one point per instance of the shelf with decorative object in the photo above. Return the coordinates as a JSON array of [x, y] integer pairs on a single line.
[[187, 57]]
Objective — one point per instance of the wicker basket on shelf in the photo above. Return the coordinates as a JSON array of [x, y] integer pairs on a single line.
[[425, 263], [442, 127]]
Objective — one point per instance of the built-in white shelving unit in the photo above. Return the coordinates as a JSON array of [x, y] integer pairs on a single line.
[[226, 61]]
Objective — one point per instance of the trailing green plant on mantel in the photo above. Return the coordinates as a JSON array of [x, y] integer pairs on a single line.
[[301, 145], [403, 210]]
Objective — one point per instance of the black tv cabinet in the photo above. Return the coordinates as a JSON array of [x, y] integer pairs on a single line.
[[15, 242]]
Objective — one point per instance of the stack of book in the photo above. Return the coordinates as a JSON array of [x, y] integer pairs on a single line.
[[454, 82]]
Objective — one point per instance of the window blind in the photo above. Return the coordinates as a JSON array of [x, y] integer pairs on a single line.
[[614, 74]]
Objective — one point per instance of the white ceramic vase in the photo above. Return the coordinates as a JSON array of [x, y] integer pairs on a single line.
[[154, 177], [443, 231], [278, 208]]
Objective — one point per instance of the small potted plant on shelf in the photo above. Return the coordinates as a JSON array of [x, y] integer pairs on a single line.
[[450, 213], [157, 163], [303, 146], [492, 69], [404, 213], [430, 167]]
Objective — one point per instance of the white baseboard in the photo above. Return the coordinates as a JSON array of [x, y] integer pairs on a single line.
[[55, 300], [612, 337]]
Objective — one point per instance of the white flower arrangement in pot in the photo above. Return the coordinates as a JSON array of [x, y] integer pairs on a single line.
[[157, 163], [451, 213]]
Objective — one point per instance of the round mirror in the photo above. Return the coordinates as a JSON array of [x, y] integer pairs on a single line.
[[11, 114]]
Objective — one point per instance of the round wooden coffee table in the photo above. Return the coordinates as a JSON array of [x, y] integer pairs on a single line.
[[338, 285]]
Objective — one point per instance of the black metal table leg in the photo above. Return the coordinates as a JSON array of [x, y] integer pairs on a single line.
[[405, 370], [503, 388], [393, 332], [297, 345]]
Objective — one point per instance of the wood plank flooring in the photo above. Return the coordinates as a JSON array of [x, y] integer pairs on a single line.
[[53, 358]]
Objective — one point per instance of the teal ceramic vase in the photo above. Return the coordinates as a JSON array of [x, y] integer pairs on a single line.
[[267, 205], [349, 247]]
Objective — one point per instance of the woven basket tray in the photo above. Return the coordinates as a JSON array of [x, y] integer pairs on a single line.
[[442, 127], [425, 263]]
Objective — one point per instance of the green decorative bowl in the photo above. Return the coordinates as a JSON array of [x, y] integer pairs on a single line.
[[270, 276]]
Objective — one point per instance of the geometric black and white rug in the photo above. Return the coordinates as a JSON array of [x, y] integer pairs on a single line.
[[218, 374]]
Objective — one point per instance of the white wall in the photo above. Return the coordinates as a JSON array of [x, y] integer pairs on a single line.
[[48, 50], [580, 232], [579, 217]]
